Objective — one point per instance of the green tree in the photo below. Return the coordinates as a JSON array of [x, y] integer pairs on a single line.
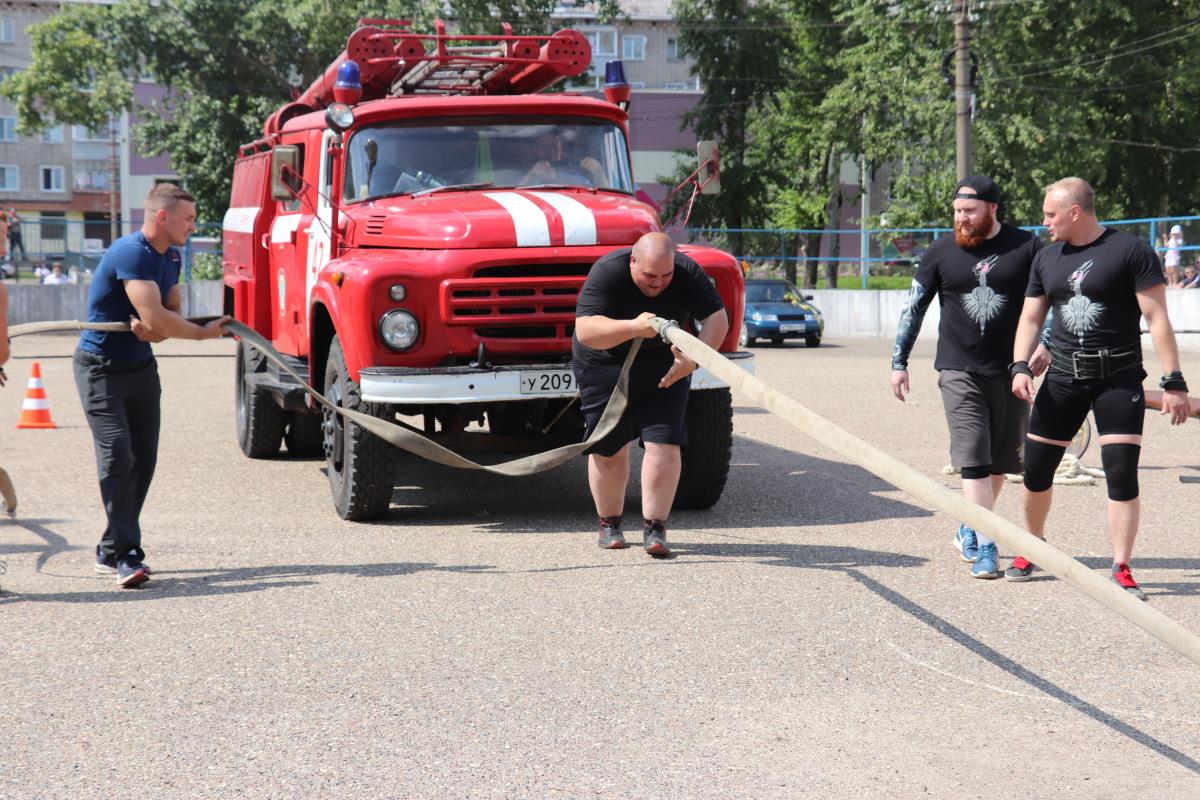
[[738, 49], [226, 66]]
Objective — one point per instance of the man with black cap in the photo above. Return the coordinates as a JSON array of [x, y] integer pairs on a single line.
[[979, 274]]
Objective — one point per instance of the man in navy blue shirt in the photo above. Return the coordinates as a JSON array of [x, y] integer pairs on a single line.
[[137, 281]]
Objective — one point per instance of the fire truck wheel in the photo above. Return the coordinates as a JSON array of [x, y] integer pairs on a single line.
[[359, 464], [710, 446], [260, 420], [303, 435]]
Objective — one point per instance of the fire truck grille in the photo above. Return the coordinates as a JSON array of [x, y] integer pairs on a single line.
[[506, 306]]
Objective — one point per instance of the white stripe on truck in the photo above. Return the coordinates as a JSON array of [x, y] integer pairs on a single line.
[[240, 220], [533, 229], [579, 223]]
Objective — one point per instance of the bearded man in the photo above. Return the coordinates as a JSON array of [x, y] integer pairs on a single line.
[[979, 274]]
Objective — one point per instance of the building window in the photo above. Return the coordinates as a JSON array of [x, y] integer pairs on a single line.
[[7, 29], [675, 87], [54, 225], [10, 178], [52, 179], [53, 135], [82, 134], [633, 48], [8, 129], [92, 175], [674, 53], [603, 42]]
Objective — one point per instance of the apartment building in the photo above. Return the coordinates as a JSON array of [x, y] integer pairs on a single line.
[[61, 180]]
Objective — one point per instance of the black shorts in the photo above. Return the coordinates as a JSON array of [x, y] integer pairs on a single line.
[[1062, 404], [653, 414]]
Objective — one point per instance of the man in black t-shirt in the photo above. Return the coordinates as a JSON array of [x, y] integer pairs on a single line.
[[979, 274], [625, 290], [1100, 282]]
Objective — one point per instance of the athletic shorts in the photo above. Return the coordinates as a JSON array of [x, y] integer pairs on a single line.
[[652, 415], [1062, 404], [987, 422]]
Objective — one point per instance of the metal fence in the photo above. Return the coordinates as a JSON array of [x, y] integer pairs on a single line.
[[79, 245], [857, 254]]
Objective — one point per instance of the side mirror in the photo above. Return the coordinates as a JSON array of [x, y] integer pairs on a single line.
[[710, 167], [285, 172]]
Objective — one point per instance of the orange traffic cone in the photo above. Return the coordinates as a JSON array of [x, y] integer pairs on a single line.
[[35, 412]]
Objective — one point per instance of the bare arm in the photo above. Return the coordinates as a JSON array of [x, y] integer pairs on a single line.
[[159, 322], [601, 333], [713, 330], [1029, 329], [1153, 303]]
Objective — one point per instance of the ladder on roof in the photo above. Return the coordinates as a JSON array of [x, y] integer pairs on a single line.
[[468, 65]]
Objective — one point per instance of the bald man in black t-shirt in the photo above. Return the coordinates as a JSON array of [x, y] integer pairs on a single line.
[[625, 290], [1100, 282]]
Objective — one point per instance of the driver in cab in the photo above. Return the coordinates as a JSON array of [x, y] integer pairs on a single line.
[[550, 166]]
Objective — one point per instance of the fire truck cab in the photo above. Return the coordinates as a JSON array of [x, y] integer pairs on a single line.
[[411, 234]]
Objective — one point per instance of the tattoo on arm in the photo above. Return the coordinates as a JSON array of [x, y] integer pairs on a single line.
[[1047, 327], [919, 298]]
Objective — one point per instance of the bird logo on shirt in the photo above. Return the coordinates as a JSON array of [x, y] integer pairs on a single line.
[[1081, 314], [982, 304]]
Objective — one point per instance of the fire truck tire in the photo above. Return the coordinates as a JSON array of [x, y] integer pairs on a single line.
[[260, 420], [710, 447], [303, 435], [360, 465]]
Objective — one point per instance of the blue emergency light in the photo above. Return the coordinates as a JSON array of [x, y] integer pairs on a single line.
[[616, 88], [348, 88]]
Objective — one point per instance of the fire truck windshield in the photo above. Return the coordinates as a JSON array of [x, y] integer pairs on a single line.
[[414, 157]]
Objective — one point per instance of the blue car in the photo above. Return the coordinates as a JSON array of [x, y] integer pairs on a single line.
[[776, 310]]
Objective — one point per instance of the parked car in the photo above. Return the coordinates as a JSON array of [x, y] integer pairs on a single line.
[[776, 310]]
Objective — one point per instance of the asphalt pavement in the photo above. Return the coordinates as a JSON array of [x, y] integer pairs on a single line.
[[816, 635]]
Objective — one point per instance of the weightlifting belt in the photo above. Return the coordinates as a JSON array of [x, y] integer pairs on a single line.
[[1091, 364]]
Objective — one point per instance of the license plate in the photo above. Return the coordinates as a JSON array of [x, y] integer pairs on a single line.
[[790, 328], [547, 381]]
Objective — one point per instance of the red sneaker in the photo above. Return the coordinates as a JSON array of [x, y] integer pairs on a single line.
[[1124, 578]]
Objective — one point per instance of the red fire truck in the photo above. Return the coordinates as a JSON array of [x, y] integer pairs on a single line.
[[411, 233]]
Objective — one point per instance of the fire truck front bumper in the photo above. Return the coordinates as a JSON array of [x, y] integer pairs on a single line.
[[460, 385]]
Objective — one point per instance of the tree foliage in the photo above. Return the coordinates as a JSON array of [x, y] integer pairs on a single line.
[[1107, 91], [225, 65]]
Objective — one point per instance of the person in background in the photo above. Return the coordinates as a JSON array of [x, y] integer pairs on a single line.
[[56, 277], [1171, 258], [14, 234]]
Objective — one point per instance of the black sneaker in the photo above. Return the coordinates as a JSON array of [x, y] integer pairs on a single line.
[[130, 572], [108, 566], [611, 536], [654, 538], [1020, 570]]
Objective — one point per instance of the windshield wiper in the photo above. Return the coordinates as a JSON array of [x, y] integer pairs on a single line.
[[455, 187]]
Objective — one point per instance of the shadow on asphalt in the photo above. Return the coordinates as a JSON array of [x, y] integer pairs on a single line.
[[1020, 672], [240, 580], [768, 486]]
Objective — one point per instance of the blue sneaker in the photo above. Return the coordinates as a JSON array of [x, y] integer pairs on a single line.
[[966, 544], [987, 565]]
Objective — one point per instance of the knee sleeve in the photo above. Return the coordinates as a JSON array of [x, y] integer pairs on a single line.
[[975, 473], [1041, 460], [1120, 470]]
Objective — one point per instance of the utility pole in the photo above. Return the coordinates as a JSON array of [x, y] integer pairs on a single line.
[[113, 231], [964, 93]]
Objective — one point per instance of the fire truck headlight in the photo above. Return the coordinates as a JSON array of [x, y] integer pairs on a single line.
[[339, 116], [399, 329], [397, 292]]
